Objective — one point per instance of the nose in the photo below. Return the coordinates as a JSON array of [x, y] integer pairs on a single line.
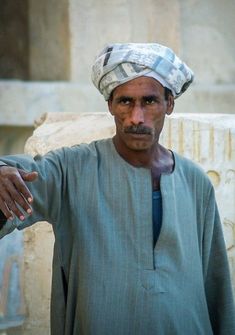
[[137, 115]]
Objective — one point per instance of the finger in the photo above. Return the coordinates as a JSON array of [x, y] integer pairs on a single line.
[[11, 206], [28, 176], [18, 198], [7, 213], [21, 187]]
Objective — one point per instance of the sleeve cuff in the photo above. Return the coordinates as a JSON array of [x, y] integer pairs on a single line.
[[8, 227]]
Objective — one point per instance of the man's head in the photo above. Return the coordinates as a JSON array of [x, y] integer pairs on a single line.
[[139, 107], [140, 82]]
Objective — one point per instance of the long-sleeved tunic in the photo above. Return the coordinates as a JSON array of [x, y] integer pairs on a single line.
[[107, 278]]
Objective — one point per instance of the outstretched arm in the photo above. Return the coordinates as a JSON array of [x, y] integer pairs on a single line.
[[33, 186]]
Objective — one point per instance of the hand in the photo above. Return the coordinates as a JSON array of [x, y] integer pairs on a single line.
[[13, 190]]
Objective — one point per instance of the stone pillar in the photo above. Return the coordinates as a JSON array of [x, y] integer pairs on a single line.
[[49, 41], [14, 43]]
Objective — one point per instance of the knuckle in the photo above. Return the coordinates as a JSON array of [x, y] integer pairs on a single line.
[[4, 195], [11, 204], [15, 176], [22, 202]]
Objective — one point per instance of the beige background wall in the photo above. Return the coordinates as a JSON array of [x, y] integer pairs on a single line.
[[47, 48]]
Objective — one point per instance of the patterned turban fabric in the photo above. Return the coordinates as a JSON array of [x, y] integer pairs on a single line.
[[119, 63]]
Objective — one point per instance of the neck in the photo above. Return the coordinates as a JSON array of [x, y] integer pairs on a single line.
[[158, 159]]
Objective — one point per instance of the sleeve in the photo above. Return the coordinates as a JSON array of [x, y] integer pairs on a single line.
[[217, 278], [3, 219], [48, 190]]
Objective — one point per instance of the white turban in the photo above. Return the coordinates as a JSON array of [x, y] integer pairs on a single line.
[[119, 63]]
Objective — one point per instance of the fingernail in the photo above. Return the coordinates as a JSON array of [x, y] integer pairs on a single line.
[[22, 218], [30, 199], [11, 218], [29, 211]]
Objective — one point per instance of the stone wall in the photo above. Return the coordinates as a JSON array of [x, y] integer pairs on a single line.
[[61, 39], [208, 140]]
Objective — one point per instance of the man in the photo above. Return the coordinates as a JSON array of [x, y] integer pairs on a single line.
[[138, 243]]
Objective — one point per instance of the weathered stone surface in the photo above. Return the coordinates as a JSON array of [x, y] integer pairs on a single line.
[[207, 139], [83, 128], [38, 249]]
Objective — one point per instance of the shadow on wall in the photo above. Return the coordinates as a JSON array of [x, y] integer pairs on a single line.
[[12, 139]]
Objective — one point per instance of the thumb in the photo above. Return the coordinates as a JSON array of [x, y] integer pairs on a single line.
[[28, 176]]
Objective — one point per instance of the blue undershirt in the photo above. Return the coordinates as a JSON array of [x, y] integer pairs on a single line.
[[157, 215]]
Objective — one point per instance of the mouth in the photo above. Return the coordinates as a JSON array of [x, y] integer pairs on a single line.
[[138, 136]]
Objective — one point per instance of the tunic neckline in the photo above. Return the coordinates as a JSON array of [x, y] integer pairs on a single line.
[[174, 155]]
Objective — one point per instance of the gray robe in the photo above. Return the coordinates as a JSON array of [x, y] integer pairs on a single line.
[[107, 278]]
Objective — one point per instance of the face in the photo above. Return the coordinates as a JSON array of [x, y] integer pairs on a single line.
[[139, 108]]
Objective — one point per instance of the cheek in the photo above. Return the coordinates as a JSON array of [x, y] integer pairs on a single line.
[[154, 119], [119, 122], [121, 117]]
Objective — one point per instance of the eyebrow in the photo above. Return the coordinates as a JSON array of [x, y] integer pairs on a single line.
[[150, 97], [124, 97], [145, 97]]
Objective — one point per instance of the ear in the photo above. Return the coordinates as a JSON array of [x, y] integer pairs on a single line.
[[170, 104], [110, 106]]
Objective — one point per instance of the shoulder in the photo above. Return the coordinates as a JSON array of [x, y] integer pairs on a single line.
[[91, 148], [85, 151]]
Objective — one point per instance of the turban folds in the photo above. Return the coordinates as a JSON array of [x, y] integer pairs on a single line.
[[119, 63]]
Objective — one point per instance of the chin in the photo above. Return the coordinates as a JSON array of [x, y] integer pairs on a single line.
[[139, 146]]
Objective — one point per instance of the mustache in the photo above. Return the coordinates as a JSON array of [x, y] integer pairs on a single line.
[[139, 129]]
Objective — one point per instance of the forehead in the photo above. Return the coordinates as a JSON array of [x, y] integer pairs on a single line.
[[141, 86]]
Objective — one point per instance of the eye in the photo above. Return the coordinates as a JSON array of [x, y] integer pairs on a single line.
[[125, 101], [150, 100]]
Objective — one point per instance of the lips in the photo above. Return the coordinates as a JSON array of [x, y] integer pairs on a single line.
[[138, 136]]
